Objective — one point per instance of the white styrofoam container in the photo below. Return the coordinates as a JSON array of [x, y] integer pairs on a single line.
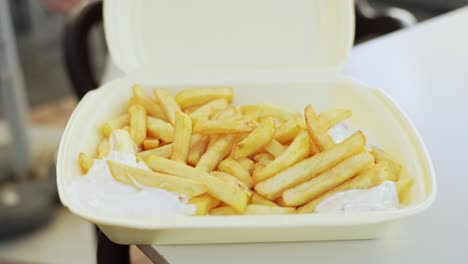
[[278, 64]]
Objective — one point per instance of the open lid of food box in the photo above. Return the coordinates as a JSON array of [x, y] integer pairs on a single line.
[[220, 39]]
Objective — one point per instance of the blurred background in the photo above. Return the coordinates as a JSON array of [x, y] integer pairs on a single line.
[[33, 49]]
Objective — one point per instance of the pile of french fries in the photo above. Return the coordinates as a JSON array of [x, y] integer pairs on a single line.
[[239, 160]]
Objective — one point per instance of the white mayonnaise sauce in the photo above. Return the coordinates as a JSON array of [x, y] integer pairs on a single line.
[[99, 192], [379, 198]]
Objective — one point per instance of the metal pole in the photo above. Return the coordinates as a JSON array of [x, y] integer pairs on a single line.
[[13, 94]]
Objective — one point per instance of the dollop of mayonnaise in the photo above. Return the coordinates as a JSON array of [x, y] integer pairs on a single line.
[[98, 191], [383, 197]]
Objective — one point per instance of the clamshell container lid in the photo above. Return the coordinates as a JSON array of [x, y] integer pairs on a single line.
[[211, 38]]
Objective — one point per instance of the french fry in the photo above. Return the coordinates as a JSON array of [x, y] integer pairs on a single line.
[[150, 143], [163, 151], [199, 96], [137, 114], [126, 128], [229, 112], [256, 140], [160, 129], [142, 98], [279, 201], [403, 186], [114, 124], [223, 191], [297, 151], [120, 140], [326, 181], [307, 169], [381, 156], [182, 137], [288, 131], [223, 211], [257, 199], [205, 111], [232, 167], [257, 167], [364, 180], [204, 203], [222, 127], [128, 175], [197, 150], [168, 104], [316, 131], [215, 154], [266, 110], [247, 163], [256, 209], [103, 148], [231, 179], [331, 118], [85, 161], [275, 148], [263, 158]]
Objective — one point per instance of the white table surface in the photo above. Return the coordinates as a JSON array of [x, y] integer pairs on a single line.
[[425, 69]]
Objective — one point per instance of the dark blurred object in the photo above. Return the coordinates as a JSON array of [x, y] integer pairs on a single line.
[[20, 15], [62, 6], [372, 22], [435, 7], [77, 48]]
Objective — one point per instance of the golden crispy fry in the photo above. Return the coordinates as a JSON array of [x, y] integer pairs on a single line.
[[266, 110], [85, 161], [332, 118], [232, 167], [279, 201], [364, 180], [168, 104], [231, 179], [307, 169], [182, 137], [288, 131], [256, 209], [256, 140], [342, 172], [142, 98], [381, 156], [247, 163], [129, 175], [137, 114], [222, 127], [275, 148], [126, 128], [103, 148], [150, 143], [229, 112], [223, 211], [215, 154], [263, 158], [204, 203], [257, 167], [316, 131], [160, 129], [257, 199], [120, 140], [113, 124], [197, 149], [403, 186], [200, 96], [297, 151], [163, 151], [223, 191], [206, 111]]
